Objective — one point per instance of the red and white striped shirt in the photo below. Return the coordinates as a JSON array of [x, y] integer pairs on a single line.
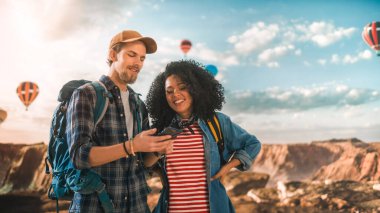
[[186, 171]]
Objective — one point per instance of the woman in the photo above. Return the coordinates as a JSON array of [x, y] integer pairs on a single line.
[[185, 96]]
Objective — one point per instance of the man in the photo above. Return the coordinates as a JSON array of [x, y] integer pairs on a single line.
[[114, 147]]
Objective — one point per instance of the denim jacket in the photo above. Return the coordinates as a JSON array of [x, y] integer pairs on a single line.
[[238, 144]]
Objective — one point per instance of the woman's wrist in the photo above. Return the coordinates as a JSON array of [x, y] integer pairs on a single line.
[[233, 163]]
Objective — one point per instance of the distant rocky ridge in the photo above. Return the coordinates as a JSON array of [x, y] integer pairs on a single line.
[[336, 159], [22, 172]]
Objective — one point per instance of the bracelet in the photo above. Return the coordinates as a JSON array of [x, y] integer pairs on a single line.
[[132, 151], [125, 150]]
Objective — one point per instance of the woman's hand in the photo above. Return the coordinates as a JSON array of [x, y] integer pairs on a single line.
[[225, 169]]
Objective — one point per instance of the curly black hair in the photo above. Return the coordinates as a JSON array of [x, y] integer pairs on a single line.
[[206, 91]]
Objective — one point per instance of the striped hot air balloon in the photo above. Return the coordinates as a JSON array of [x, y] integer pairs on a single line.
[[371, 35], [185, 46], [27, 92]]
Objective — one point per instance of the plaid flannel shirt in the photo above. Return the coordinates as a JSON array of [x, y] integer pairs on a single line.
[[124, 178]]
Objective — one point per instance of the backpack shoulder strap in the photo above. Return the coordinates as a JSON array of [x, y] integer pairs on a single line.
[[102, 100], [214, 126]]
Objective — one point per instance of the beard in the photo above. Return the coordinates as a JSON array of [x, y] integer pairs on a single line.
[[128, 78]]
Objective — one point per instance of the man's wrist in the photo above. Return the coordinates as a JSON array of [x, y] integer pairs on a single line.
[[126, 149], [131, 147]]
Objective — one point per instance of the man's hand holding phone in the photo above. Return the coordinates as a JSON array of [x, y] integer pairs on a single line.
[[148, 141], [157, 143]]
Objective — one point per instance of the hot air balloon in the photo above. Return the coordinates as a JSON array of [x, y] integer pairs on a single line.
[[3, 115], [212, 69], [371, 35], [185, 46], [27, 91]]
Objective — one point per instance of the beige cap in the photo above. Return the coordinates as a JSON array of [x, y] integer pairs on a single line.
[[130, 36]]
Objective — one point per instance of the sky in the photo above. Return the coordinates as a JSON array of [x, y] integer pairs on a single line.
[[293, 71]]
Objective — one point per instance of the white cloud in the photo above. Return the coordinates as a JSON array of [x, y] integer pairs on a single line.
[[366, 54], [351, 59], [275, 40], [169, 46], [322, 33], [59, 19], [309, 126], [205, 53], [341, 88], [335, 59], [129, 14], [299, 98], [348, 59], [199, 52], [290, 35], [208, 55], [268, 56], [273, 64], [254, 38], [322, 61], [306, 63], [353, 94]]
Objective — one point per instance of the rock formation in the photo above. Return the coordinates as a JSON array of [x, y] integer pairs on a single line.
[[335, 159], [22, 169], [323, 176]]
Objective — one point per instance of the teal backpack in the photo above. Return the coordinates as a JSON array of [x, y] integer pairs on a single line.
[[65, 178]]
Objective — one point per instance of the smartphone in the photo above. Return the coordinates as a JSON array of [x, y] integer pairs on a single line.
[[170, 131]]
